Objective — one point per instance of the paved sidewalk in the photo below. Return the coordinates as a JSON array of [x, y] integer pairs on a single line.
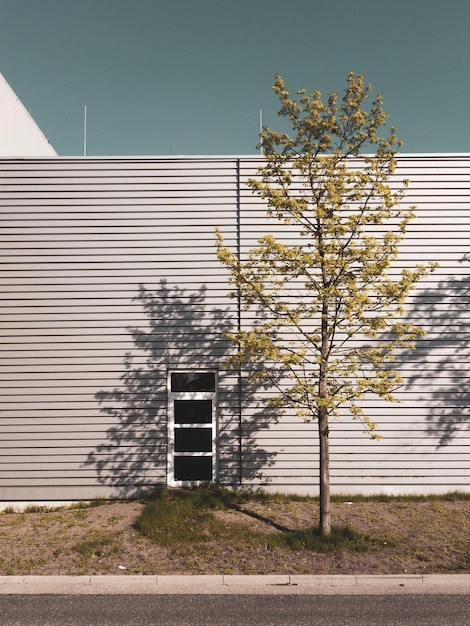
[[221, 584]]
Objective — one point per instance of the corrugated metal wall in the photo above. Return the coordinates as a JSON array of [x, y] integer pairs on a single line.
[[426, 438], [109, 277]]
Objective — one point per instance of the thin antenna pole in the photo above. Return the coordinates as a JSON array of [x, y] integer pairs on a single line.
[[261, 129], [84, 132]]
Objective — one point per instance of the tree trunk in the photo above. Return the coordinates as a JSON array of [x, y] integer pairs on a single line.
[[325, 505], [323, 418]]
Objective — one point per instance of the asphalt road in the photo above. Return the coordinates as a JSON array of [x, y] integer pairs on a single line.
[[240, 610]]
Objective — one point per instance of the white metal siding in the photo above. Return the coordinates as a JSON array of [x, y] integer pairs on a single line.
[[426, 438], [87, 245], [103, 258]]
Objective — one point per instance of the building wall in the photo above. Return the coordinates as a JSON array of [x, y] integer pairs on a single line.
[[109, 278], [425, 444], [20, 136]]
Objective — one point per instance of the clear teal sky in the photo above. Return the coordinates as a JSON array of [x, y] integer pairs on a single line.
[[190, 76]]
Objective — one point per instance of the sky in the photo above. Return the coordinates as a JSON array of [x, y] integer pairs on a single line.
[[189, 77]]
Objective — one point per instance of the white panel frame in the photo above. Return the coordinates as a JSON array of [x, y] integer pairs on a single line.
[[191, 395]]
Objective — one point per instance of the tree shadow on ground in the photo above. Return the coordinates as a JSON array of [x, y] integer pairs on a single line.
[[182, 332], [441, 358]]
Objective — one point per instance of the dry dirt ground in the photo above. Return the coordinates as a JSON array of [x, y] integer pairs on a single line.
[[406, 537]]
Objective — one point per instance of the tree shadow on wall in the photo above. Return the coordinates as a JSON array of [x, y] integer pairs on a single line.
[[182, 333], [441, 359]]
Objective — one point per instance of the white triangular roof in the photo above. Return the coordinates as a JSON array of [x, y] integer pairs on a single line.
[[20, 136]]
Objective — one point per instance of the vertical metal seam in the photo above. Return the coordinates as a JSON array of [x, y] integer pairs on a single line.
[[239, 327]]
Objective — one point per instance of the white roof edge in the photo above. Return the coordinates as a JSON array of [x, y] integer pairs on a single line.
[[20, 136], [227, 157]]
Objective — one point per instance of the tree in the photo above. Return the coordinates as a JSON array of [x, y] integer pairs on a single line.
[[327, 293]]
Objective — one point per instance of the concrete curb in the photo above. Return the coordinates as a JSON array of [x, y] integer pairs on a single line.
[[233, 584]]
